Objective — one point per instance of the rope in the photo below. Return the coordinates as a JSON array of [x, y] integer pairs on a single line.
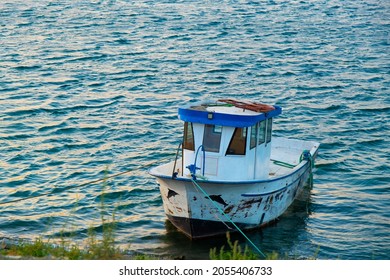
[[306, 155], [74, 187], [227, 217], [282, 163]]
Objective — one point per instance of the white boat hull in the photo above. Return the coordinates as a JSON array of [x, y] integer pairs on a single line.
[[248, 204]]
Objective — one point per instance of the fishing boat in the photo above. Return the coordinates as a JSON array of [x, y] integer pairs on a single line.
[[229, 173]]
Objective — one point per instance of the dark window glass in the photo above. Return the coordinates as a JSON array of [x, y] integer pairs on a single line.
[[188, 141], [237, 144], [261, 132], [269, 130], [253, 136], [212, 138]]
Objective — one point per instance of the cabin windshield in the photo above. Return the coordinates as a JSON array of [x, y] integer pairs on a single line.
[[258, 134], [261, 138], [212, 138], [269, 130], [253, 136], [188, 138], [237, 144]]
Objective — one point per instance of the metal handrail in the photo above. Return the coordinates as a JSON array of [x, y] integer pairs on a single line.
[[174, 174], [192, 167]]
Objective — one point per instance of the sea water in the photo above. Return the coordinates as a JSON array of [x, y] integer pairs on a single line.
[[91, 88]]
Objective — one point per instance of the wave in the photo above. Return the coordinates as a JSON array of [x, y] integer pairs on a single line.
[[59, 111]]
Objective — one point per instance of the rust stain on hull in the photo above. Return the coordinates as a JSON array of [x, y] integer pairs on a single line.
[[229, 209]]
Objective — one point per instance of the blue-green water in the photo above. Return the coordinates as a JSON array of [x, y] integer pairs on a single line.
[[91, 85]]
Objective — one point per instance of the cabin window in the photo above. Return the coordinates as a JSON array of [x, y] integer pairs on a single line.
[[269, 130], [253, 136], [212, 138], [237, 144], [188, 141], [261, 138]]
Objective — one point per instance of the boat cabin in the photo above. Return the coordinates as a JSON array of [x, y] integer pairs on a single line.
[[227, 140]]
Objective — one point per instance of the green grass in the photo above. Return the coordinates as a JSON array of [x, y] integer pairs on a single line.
[[95, 248], [40, 249], [234, 252], [102, 248]]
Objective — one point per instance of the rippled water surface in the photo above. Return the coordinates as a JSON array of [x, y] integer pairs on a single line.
[[90, 86]]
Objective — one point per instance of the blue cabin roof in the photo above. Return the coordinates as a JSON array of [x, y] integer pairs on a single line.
[[228, 112]]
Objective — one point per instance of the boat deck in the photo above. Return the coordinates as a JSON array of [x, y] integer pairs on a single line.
[[283, 160], [285, 156]]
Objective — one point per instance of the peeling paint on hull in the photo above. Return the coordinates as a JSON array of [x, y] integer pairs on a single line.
[[248, 204]]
